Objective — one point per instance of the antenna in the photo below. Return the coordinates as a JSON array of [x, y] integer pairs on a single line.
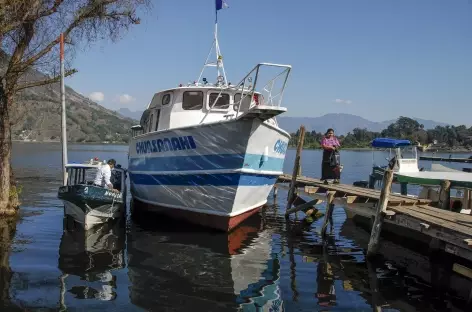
[[220, 4]]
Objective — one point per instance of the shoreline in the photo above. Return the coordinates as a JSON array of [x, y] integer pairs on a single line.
[[457, 150], [70, 143]]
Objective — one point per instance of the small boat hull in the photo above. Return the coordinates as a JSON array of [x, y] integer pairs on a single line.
[[91, 205]]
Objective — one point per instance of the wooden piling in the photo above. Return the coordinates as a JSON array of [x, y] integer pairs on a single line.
[[445, 195], [329, 212], [296, 168], [380, 213]]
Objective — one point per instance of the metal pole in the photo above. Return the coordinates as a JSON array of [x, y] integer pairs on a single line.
[[63, 118]]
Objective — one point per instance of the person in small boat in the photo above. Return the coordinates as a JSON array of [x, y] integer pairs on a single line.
[[330, 166], [116, 178], [103, 176]]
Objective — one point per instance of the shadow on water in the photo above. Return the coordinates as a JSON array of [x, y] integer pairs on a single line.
[[336, 274], [181, 267]]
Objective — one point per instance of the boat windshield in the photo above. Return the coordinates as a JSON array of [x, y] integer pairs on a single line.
[[383, 156], [86, 176]]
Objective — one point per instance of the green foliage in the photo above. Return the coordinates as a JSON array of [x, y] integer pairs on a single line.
[[403, 128]]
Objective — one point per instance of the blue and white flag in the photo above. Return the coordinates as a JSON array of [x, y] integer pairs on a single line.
[[221, 4]]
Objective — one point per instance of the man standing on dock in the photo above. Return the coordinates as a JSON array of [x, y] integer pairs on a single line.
[[103, 176]]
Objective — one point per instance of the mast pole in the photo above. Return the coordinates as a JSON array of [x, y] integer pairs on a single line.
[[63, 116], [219, 59]]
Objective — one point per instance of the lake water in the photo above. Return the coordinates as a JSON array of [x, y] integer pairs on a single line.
[[156, 264]]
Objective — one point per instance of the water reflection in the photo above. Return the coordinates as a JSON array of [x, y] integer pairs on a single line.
[[7, 232], [180, 267], [91, 255]]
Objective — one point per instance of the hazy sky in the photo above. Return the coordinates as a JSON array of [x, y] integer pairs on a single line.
[[374, 58]]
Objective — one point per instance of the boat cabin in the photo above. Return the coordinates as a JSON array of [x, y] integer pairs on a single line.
[[84, 174], [406, 154], [192, 105]]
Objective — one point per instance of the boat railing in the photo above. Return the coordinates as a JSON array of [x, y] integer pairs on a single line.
[[271, 92]]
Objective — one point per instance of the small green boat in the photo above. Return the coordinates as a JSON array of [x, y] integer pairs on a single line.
[[89, 204], [407, 172]]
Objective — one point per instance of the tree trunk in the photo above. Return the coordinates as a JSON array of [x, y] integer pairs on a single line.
[[8, 196]]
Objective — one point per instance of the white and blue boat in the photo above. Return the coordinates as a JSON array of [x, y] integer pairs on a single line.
[[208, 152]]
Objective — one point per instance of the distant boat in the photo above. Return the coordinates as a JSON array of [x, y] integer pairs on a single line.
[[407, 172], [210, 153], [89, 204]]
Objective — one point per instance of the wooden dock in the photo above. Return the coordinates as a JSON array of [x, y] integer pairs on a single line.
[[453, 230], [444, 230]]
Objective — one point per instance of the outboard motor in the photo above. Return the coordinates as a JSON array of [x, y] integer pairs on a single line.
[[115, 178]]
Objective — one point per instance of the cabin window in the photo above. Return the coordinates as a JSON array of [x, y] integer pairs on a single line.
[[222, 103], [150, 122], [246, 103], [166, 99], [157, 119], [192, 100]]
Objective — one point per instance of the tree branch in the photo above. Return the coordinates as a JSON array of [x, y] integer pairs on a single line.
[[86, 13], [52, 10], [44, 82]]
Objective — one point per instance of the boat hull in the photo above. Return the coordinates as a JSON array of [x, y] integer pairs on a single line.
[[91, 205], [221, 223], [92, 217], [215, 174]]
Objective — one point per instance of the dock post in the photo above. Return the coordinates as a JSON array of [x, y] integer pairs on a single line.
[[63, 114], [379, 215], [445, 195], [275, 192], [329, 212], [296, 166]]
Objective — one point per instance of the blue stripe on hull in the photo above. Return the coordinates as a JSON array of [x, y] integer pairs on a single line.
[[206, 162], [220, 179]]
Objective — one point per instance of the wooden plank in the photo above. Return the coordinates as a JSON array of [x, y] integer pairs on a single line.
[[433, 220], [454, 216], [356, 190], [444, 214], [452, 239], [311, 189], [301, 207], [353, 191], [462, 270]]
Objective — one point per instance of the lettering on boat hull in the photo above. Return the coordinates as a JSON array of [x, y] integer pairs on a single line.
[[166, 145]]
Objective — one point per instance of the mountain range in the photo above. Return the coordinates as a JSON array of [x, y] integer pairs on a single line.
[[36, 115], [341, 123]]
